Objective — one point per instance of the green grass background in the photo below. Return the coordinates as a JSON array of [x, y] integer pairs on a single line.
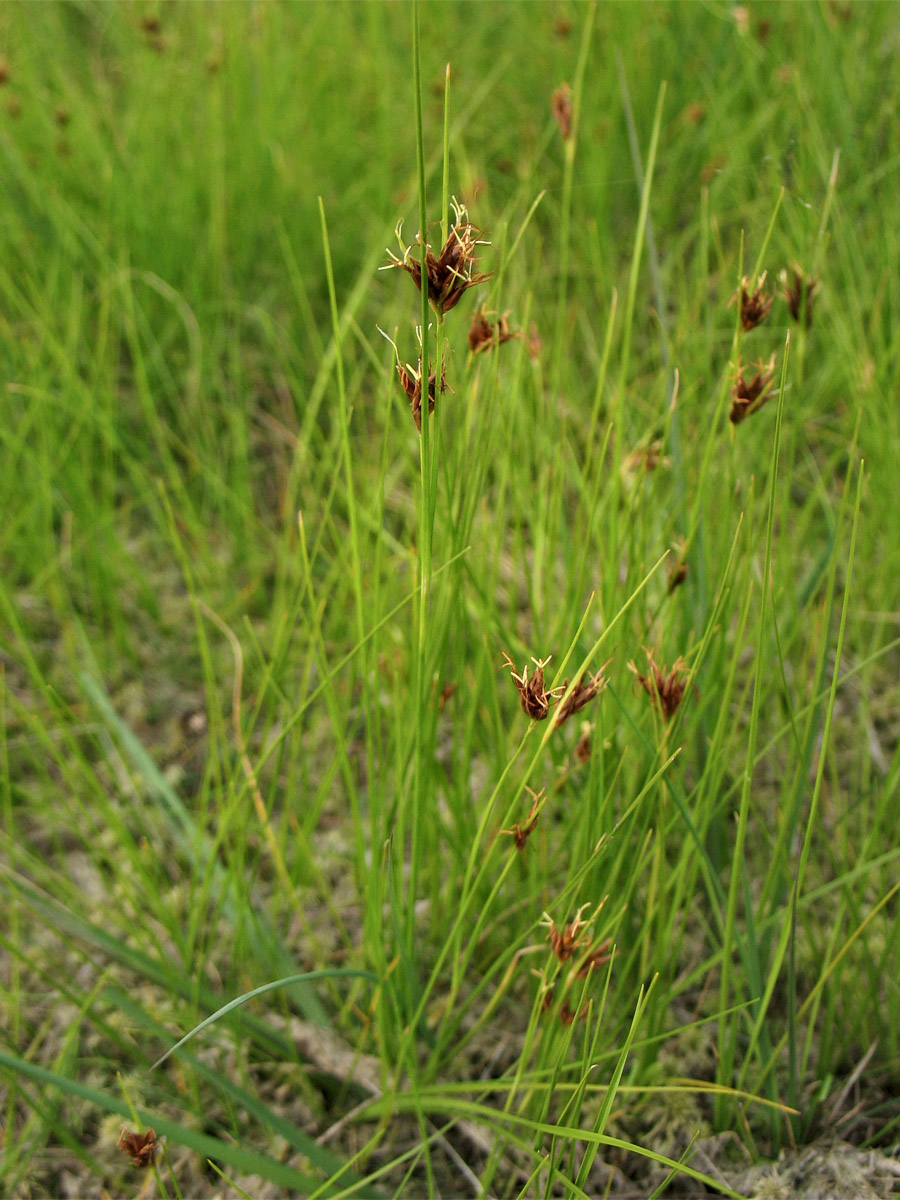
[[176, 390]]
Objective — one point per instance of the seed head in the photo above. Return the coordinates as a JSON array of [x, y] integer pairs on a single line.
[[411, 381], [450, 273], [567, 1014], [521, 833], [140, 1147], [582, 749], [533, 695], [678, 568], [561, 104], [754, 305], [642, 461], [676, 576], [564, 942], [484, 333], [800, 292], [598, 957], [749, 395], [582, 694], [665, 688]]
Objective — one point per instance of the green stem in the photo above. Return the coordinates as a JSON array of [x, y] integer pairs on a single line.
[[726, 1046]]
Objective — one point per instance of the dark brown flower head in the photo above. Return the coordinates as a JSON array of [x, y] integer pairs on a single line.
[[582, 749], [676, 576], [749, 395], [665, 688], [4, 71], [582, 694], [566, 941], [561, 105], [755, 305], [521, 833], [411, 382], [643, 460], [598, 957], [140, 1147], [567, 1014], [450, 273], [678, 568], [484, 333], [534, 696], [800, 291]]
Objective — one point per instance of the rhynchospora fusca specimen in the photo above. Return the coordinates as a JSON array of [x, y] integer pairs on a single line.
[[452, 272]]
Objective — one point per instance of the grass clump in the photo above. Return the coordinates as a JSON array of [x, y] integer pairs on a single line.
[[274, 787]]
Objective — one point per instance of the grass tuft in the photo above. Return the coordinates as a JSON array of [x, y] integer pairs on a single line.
[[467, 766]]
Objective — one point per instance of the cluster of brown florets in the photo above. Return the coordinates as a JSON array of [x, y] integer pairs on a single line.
[[797, 289], [520, 833], [665, 687], [411, 381], [536, 699], [139, 1147], [575, 943], [448, 275], [750, 391]]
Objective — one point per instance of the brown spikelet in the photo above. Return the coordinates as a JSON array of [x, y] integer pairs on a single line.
[[643, 460], [521, 833], [140, 1147], [582, 749], [755, 305], [676, 576], [665, 688], [411, 380], [582, 694], [561, 104], [484, 333], [799, 291], [567, 1014], [564, 942], [451, 273], [534, 697], [598, 957], [678, 568], [749, 395]]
